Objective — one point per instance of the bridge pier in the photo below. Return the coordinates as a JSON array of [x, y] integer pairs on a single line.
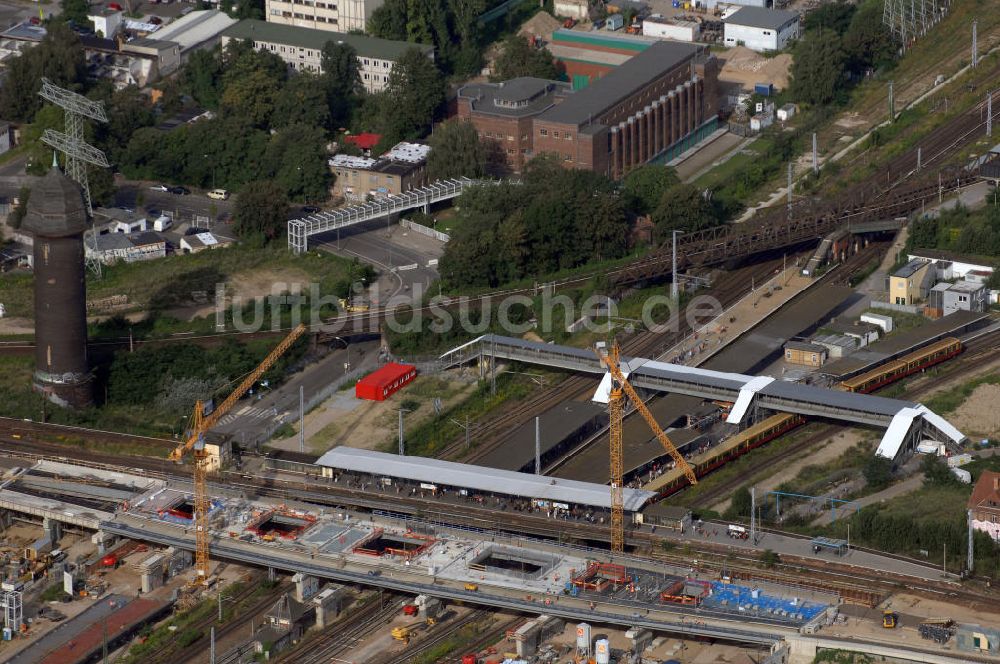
[[53, 528]]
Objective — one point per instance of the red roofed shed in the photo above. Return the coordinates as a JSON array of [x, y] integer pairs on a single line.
[[365, 141], [379, 385]]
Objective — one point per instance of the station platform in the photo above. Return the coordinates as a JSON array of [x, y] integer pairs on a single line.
[[897, 345]]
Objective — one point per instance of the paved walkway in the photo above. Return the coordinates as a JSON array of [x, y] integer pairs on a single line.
[[761, 301]]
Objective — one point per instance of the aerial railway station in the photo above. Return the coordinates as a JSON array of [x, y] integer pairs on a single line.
[[905, 423]]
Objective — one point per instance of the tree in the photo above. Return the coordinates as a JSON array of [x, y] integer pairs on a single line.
[[740, 504], [76, 11], [818, 67], [128, 110], [59, 57], [242, 9], [518, 58], [303, 101], [834, 16], [253, 97], [342, 81], [413, 97], [261, 212], [645, 186], [17, 214], [297, 161], [455, 151], [936, 472], [878, 472], [867, 43], [389, 21], [202, 76], [682, 208], [40, 154], [769, 558]]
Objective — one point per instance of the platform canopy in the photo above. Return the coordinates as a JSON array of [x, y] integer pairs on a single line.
[[479, 478]]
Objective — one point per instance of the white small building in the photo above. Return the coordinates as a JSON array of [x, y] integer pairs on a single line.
[[192, 244], [107, 22], [761, 29], [577, 9], [677, 30], [787, 112], [127, 226]]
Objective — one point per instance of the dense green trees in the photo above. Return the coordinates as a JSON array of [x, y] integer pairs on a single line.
[[818, 67], [557, 219], [75, 10], [450, 26], [455, 151], [59, 57], [682, 208], [518, 58], [960, 230], [261, 212], [878, 472], [842, 42], [341, 81], [411, 101], [646, 185]]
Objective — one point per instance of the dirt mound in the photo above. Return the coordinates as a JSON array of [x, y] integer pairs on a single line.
[[540, 26], [746, 67], [979, 415]]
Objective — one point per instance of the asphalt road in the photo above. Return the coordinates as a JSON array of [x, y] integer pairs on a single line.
[[406, 260], [183, 207], [255, 414]]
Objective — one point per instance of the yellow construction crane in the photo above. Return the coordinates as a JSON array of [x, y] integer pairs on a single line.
[[200, 424], [616, 414]]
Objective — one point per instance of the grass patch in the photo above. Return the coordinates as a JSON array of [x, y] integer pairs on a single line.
[[949, 400], [180, 280], [742, 466], [812, 479], [53, 593]]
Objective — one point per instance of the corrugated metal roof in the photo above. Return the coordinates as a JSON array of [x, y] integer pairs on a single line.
[[196, 28], [479, 478], [759, 17]]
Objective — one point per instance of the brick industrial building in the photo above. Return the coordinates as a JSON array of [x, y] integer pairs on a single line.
[[653, 106]]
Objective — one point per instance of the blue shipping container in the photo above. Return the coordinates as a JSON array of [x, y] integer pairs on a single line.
[[765, 89]]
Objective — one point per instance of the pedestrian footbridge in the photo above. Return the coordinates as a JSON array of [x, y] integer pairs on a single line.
[[906, 423]]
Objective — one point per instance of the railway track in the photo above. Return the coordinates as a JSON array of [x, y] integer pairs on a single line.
[[344, 634], [492, 521], [984, 346], [496, 431], [436, 638], [171, 655]]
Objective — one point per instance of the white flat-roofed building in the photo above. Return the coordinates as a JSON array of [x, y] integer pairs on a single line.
[[334, 15], [761, 29], [302, 48]]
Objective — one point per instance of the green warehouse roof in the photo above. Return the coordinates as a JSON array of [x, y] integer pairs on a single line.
[[290, 35]]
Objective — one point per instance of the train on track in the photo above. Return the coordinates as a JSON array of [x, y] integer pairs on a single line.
[[894, 370], [673, 480]]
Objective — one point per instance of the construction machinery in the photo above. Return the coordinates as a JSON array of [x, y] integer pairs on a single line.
[[616, 414], [404, 632], [201, 421], [890, 619]]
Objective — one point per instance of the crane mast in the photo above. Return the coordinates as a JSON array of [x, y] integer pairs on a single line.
[[200, 424], [620, 387]]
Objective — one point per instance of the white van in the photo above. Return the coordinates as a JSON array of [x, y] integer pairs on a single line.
[[218, 194], [162, 223]]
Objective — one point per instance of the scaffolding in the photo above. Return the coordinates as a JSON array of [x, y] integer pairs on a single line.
[[13, 609]]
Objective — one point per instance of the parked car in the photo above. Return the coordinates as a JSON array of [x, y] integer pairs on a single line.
[[218, 194], [34, 20], [155, 20], [180, 191], [114, 6], [310, 209], [160, 187]]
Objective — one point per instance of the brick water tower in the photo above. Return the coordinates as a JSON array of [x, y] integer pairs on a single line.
[[57, 217]]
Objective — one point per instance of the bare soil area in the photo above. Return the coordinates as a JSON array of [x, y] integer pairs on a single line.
[[746, 67], [979, 415]]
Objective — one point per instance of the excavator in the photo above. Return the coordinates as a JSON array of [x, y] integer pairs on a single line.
[[890, 619], [201, 421], [404, 632]]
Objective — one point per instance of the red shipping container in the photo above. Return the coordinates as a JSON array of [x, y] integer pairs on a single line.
[[379, 385]]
